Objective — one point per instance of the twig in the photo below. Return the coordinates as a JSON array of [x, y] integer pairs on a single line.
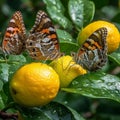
[[8, 116]]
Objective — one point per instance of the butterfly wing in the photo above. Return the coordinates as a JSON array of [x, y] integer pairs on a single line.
[[15, 34], [42, 42], [93, 53]]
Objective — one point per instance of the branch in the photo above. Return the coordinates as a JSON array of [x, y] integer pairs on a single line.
[[6, 116]]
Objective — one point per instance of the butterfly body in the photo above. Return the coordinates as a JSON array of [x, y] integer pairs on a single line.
[[15, 35], [42, 42], [93, 53]]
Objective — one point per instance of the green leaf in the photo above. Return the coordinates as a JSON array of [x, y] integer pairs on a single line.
[[51, 111], [76, 115], [17, 59], [68, 47], [15, 62], [1, 85], [115, 57], [2, 99], [33, 114], [89, 11], [4, 72], [56, 11], [58, 111], [96, 85], [64, 36], [7, 93], [81, 12]]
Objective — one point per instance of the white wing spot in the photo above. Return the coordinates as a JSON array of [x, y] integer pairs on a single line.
[[51, 29], [10, 29], [12, 20]]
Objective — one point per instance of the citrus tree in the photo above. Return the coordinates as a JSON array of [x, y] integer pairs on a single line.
[[62, 88]]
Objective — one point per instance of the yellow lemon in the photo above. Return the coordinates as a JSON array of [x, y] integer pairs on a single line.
[[67, 69], [113, 37], [34, 84]]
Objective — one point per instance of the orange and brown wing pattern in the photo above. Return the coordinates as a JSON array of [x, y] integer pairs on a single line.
[[15, 34], [42, 42], [93, 53]]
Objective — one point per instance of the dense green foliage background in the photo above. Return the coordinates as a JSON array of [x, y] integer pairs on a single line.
[[95, 96]]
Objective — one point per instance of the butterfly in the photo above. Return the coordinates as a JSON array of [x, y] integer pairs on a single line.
[[15, 35], [42, 42], [93, 53]]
